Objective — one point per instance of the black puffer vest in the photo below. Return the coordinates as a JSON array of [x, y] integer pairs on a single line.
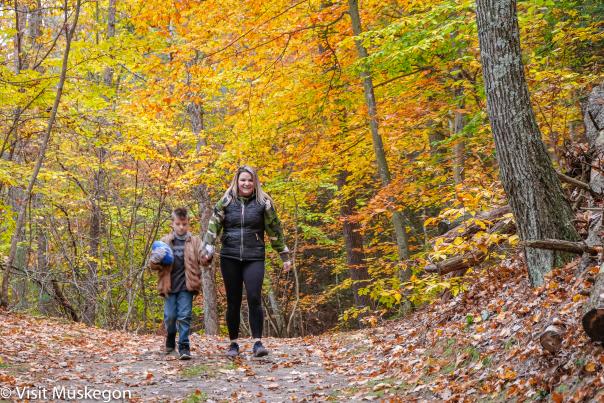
[[243, 230]]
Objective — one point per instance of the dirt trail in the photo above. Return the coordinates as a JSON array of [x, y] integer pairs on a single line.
[[43, 355]]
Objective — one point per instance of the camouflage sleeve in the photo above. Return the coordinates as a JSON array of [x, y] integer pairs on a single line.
[[272, 226], [214, 228]]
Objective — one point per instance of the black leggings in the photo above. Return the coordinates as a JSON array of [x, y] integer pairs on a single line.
[[236, 273]]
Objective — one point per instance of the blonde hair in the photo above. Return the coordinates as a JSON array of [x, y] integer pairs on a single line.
[[232, 192]]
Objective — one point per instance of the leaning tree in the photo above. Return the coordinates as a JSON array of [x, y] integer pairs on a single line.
[[528, 177]]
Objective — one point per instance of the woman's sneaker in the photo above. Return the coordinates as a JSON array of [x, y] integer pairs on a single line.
[[233, 350], [259, 350]]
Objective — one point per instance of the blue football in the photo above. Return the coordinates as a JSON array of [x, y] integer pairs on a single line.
[[162, 250]]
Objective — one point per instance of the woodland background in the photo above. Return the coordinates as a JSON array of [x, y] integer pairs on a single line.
[[121, 110]]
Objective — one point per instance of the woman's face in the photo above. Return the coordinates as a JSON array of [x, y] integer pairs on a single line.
[[245, 184]]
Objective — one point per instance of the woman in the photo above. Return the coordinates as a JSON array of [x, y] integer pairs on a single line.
[[245, 213]]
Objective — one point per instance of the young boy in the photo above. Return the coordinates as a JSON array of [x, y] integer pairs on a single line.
[[179, 282]]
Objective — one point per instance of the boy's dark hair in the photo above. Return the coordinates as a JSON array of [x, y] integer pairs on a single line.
[[180, 212]]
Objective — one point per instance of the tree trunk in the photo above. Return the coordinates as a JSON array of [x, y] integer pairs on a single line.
[[208, 273], [277, 312], [593, 119], [526, 171], [355, 256], [459, 119], [69, 32], [398, 219], [593, 318], [108, 74], [435, 136]]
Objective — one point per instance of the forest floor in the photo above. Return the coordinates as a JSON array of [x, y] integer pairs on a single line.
[[482, 345]]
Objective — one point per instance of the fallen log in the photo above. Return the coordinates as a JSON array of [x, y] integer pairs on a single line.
[[456, 263], [469, 226], [593, 318], [463, 262], [561, 245]]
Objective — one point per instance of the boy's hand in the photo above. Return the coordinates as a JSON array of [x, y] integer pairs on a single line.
[[155, 259]]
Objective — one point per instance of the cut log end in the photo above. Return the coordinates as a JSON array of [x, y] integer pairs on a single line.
[[551, 338], [593, 324]]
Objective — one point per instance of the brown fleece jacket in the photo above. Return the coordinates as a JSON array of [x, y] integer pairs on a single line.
[[192, 266]]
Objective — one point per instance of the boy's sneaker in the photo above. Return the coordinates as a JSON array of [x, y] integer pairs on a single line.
[[170, 343], [185, 354], [259, 350], [233, 350]]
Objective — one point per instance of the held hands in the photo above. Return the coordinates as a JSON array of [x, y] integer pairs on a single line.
[[206, 259], [207, 254], [287, 265]]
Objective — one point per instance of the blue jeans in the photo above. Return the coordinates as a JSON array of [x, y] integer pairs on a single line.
[[178, 306]]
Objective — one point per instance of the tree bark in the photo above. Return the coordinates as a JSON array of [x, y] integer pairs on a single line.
[[459, 147], [398, 219], [593, 318], [69, 32], [355, 256], [593, 119], [208, 273], [457, 263], [526, 171]]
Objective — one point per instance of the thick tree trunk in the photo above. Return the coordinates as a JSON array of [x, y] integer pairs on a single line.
[[208, 273], [355, 256], [594, 132], [398, 219], [69, 32], [593, 318], [526, 171]]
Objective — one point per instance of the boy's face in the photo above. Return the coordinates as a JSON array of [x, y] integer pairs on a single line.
[[180, 225]]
